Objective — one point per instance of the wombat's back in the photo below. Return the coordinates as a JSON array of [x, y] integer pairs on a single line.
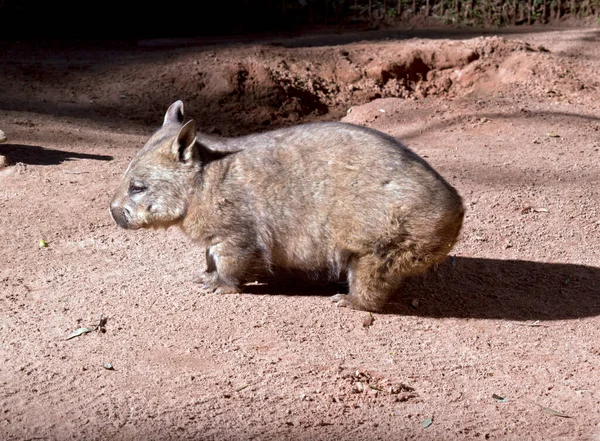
[[318, 193]]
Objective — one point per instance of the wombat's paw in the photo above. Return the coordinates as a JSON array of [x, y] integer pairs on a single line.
[[342, 300], [225, 289], [202, 278], [211, 283], [208, 281]]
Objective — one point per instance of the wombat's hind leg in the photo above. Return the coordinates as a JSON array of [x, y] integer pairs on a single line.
[[370, 285]]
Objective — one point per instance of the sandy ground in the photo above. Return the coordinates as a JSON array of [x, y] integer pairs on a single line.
[[512, 121]]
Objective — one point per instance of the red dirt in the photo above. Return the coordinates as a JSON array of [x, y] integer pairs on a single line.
[[513, 122]]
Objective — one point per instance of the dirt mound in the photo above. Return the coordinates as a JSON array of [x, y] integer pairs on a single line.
[[271, 86], [237, 89]]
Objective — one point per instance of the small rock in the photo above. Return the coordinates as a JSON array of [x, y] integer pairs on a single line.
[[3, 138], [357, 388], [3, 161]]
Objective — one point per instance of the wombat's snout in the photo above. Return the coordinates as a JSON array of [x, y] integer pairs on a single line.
[[120, 214]]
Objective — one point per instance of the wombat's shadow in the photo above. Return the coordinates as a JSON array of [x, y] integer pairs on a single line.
[[484, 288], [37, 155]]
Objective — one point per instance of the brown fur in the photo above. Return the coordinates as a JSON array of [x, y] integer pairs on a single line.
[[321, 199]]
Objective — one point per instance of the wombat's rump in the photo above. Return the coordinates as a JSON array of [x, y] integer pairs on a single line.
[[327, 199]]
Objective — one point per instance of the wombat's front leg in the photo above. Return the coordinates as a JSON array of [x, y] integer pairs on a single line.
[[208, 279], [228, 265]]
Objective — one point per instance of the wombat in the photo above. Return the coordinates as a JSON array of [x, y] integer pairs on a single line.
[[328, 200]]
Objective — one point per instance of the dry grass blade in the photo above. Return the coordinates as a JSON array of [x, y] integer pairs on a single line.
[[80, 331], [534, 210], [101, 322], [554, 412], [535, 324]]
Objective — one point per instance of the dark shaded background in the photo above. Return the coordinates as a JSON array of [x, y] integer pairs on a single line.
[[112, 19]]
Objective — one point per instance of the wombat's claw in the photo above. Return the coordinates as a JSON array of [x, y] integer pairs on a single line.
[[204, 279], [226, 290], [208, 285], [340, 300], [211, 283]]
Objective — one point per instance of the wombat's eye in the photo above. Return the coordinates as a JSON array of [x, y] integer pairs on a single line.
[[136, 188]]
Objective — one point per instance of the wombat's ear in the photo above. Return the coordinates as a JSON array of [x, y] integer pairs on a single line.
[[174, 113], [184, 146]]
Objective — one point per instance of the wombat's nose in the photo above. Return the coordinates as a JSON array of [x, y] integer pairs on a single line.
[[118, 213]]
